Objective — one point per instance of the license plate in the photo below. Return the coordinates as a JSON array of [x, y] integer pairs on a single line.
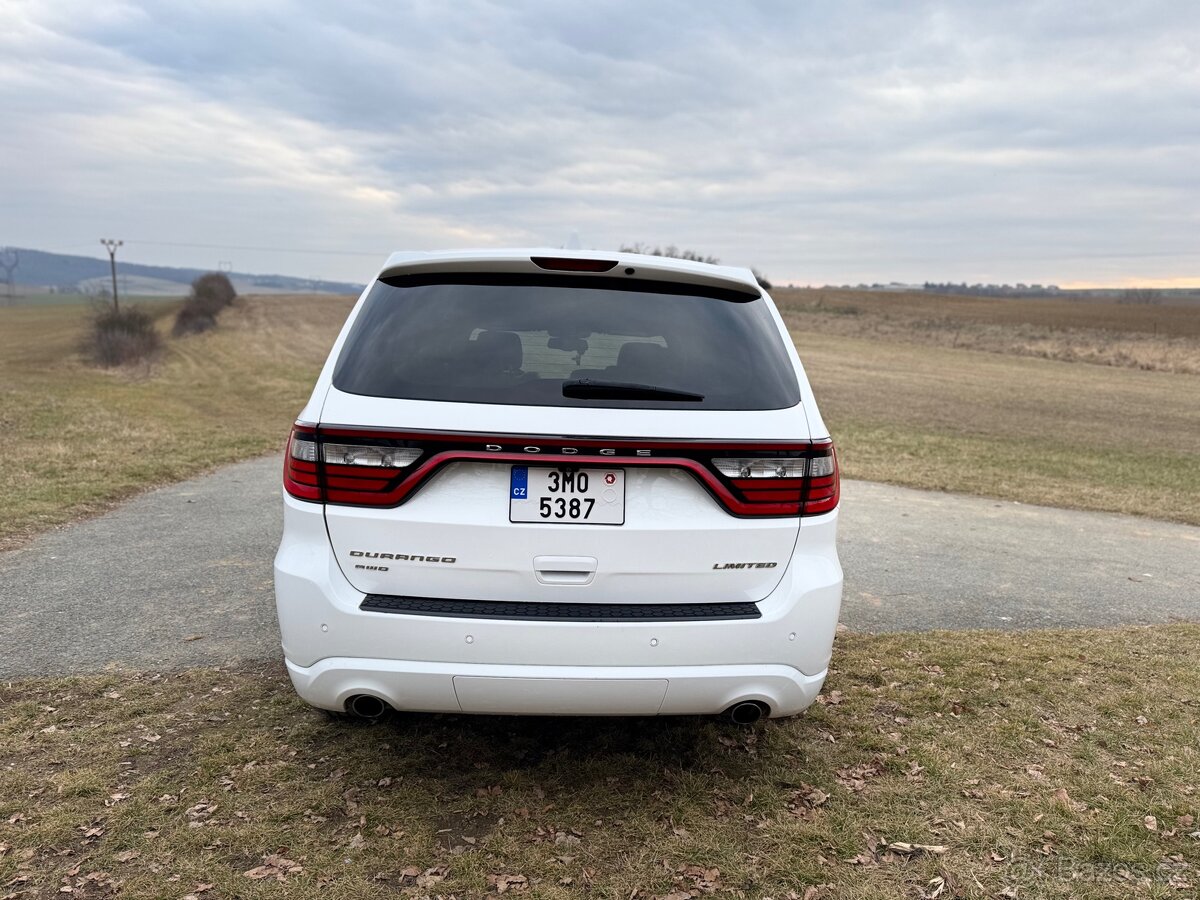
[[567, 496]]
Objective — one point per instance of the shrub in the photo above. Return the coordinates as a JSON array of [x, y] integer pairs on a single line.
[[214, 289], [192, 318], [121, 337], [210, 294]]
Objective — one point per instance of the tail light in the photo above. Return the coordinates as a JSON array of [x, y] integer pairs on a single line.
[[797, 482], [571, 264], [332, 469], [358, 467], [364, 473], [301, 474]]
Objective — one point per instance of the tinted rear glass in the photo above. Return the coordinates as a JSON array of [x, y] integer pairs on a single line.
[[500, 339]]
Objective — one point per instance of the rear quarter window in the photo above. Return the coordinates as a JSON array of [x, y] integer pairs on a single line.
[[518, 340]]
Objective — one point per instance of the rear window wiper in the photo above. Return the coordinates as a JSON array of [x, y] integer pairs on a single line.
[[587, 389]]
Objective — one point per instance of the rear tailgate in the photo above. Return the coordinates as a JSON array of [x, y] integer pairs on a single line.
[[453, 538]]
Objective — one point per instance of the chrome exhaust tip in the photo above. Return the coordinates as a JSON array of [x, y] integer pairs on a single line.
[[366, 707], [746, 713]]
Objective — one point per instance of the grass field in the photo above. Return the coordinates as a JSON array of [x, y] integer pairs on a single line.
[[1163, 338], [904, 409], [1032, 430], [966, 765], [78, 438], [979, 765]]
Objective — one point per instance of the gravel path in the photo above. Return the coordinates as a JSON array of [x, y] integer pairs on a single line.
[[182, 575]]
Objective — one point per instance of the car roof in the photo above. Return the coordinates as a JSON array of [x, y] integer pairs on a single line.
[[513, 260]]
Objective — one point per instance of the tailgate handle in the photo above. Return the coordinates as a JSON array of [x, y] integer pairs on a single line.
[[564, 569]]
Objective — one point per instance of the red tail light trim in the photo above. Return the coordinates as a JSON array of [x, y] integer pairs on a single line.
[[744, 497], [301, 479]]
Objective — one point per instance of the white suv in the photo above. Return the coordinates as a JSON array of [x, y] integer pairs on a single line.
[[563, 483]]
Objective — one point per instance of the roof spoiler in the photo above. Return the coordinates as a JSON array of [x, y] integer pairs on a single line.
[[587, 263]]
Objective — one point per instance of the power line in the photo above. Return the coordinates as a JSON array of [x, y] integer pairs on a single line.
[[259, 249]]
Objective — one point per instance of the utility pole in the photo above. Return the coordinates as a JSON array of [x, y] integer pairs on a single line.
[[111, 246], [10, 258]]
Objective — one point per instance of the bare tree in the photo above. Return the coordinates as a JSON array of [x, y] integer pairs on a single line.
[[1140, 296], [693, 256], [669, 250]]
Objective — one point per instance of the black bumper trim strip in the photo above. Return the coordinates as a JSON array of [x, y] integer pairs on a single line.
[[559, 612]]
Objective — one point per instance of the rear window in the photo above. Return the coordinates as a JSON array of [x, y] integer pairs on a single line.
[[519, 340]]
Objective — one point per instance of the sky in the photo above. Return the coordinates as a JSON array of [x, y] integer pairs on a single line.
[[820, 142]]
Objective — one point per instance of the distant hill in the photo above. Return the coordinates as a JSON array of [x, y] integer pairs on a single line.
[[70, 274]]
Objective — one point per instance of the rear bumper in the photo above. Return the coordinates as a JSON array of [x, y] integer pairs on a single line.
[[554, 690], [335, 649]]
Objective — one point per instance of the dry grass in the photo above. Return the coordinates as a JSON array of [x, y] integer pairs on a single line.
[[1179, 320], [78, 439], [1021, 769], [1037, 431], [1151, 337], [992, 765]]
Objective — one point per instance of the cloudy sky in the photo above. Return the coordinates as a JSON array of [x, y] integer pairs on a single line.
[[818, 141]]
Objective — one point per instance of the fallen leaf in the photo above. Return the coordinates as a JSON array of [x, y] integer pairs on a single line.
[[856, 777], [274, 866], [1151, 823], [432, 875], [504, 883], [915, 849], [1061, 796], [705, 879], [201, 810]]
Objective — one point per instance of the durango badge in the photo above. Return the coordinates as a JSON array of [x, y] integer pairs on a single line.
[[405, 557]]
